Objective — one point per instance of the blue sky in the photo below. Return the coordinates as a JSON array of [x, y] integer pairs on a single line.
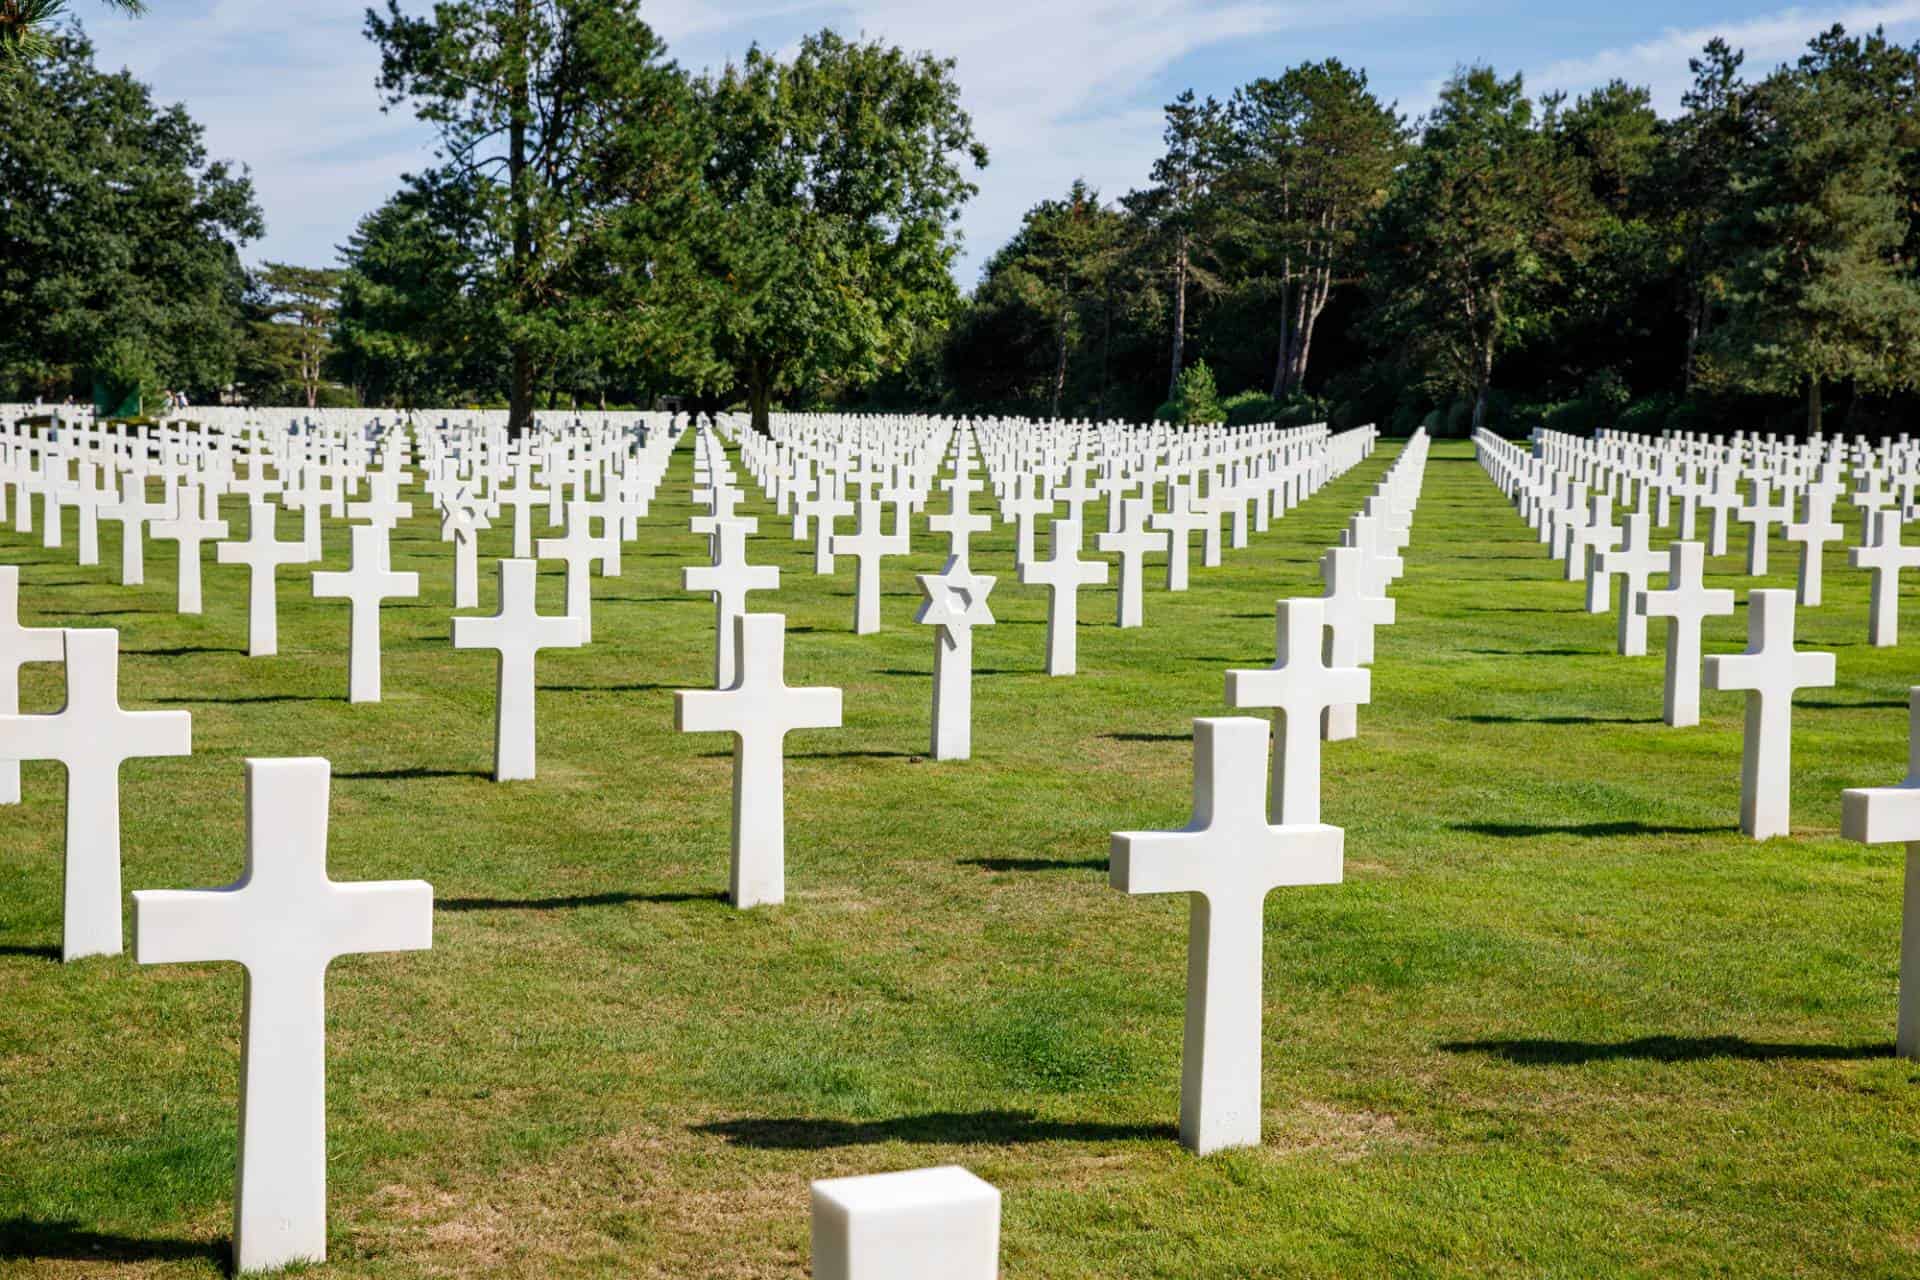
[[1058, 89]]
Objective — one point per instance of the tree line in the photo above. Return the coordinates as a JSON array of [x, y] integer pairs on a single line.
[[600, 226]]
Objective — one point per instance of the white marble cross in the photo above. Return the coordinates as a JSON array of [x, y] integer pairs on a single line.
[[826, 506], [960, 524], [1886, 556], [1179, 521], [1353, 610], [517, 631], [262, 553], [285, 921], [1813, 533], [1632, 563], [188, 528], [1684, 603], [1299, 688], [956, 603], [728, 579], [578, 549], [520, 496], [1228, 858], [92, 736], [1891, 815], [760, 709], [1768, 672], [462, 523], [1133, 542], [1760, 516], [383, 507], [18, 646], [133, 512], [369, 581], [1063, 575], [930, 1224], [867, 545], [1722, 499]]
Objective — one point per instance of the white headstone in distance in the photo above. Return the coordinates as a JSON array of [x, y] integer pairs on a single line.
[[1299, 687], [1063, 575], [285, 921], [1684, 603], [363, 586], [1132, 542], [262, 553], [1768, 672], [517, 632], [956, 603]]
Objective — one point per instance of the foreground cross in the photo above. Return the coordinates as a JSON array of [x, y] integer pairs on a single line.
[[1685, 603], [364, 586], [1228, 858], [1300, 687], [18, 646], [1063, 575], [1886, 555], [92, 736], [760, 710], [517, 631], [1891, 815], [1769, 672], [285, 921]]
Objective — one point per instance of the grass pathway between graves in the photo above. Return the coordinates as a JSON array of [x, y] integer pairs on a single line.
[[1560, 1019]]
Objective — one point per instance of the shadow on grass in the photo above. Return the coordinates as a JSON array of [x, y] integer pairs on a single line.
[[1036, 864], [1540, 653], [851, 755], [1557, 719], [24, 1239], [1003, 1128], [1597, 830], [1149, 737], [610, 688], [1666, 1049], [31, 952], [185, 650], [394, 775], [1524, 608], [978, 671], [570, 903], [250, 697], [1828, 704]]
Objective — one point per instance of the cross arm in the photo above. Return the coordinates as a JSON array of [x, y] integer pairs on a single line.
[[381, 915], [179, 926], [1880, 815]]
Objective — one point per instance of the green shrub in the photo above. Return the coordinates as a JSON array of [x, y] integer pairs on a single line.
[[1196, 399]]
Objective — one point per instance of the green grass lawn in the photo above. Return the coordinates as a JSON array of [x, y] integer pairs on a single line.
[[1561, 1019]]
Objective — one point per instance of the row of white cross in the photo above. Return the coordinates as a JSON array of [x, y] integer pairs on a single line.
[[1771, 669]]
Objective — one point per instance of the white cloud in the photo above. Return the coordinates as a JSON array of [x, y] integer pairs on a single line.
[[1769, 40]]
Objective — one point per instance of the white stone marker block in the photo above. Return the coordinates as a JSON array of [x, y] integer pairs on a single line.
[[517, 631], [956, 603], [924, 1224], [92, 736], [1684, 603], [1228, 858], [1769, 672], [760, 710], [1300, 687], [262, 553], [1891, 815], [18, 646], [285, 921], [1063, 575], [363, 587]]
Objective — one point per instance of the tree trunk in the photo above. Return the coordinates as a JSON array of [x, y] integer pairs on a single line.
[[1813, 406], [760, 396], [1286, 336], [520, 392], [1106, 346], [1179, 314], [1059, 367]]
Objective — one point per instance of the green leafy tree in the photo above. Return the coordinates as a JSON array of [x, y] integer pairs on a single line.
[[835, 182], [574, 143], [114, 225], [1308, 160], [1195, 399], [1819, 290], [26, 26], [1178, 215], [291, 340], [1480, 229]]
